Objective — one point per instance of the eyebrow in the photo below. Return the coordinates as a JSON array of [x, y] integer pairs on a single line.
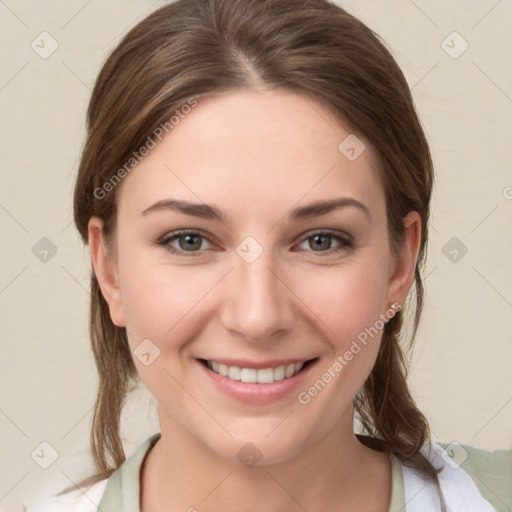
[[205, 211], [323, 207]]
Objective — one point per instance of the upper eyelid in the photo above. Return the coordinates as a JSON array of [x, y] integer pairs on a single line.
[[183, 232], [336, 232]]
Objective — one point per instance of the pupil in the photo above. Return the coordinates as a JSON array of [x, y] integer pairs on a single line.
[[190, 244], [324, 241]]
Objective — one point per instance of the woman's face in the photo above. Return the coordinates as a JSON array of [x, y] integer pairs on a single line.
[[267, 274]]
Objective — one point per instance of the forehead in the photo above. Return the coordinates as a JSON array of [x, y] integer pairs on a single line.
[[252, 152]]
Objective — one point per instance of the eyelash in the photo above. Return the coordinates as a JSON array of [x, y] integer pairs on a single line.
[[345, 242]]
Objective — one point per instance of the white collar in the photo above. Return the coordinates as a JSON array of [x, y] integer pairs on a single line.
[[459, 490]]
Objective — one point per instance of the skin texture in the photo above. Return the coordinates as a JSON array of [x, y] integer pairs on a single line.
[[255, 155]]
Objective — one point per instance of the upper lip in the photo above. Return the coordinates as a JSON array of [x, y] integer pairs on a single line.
[[257, 365]]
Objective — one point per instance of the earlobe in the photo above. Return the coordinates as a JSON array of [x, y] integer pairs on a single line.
[[105, 269], [405, 263]]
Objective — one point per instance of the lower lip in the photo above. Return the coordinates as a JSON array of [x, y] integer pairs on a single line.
[[255, 393]]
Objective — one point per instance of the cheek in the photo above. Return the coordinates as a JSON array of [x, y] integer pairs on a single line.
[[163, 302], [162, 305], [348, 302], [349, 305], [345, 300]]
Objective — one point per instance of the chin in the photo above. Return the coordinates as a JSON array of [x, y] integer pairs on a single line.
[[261, 447]]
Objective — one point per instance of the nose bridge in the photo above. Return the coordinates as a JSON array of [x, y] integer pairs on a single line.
[[259, 303]]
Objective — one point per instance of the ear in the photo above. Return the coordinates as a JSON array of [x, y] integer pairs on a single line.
[[402, 272], [105, 268]]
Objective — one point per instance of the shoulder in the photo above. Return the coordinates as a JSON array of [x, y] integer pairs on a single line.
[[491, 471], [75, 501], [122, 484], [468, 479]]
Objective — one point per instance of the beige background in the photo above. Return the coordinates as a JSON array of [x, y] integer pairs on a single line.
[[460, 372]]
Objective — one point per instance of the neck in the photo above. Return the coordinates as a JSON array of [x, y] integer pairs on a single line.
[[181, 474]]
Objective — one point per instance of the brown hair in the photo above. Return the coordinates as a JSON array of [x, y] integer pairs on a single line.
[[192, 48]]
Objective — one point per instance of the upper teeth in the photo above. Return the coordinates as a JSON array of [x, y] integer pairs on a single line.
[[261, 376]]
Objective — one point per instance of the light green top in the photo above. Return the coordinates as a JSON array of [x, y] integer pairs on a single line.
[[491, 472]]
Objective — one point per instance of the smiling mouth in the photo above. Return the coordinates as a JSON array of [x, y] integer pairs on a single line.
[[259, 376]]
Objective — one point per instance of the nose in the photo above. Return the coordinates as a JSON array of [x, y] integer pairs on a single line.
[[258, 304]]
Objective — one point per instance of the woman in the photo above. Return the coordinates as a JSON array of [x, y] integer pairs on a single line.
[[255, 191]]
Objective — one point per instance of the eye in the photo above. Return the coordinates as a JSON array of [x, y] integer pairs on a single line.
[[191, 243], [187, 242], [322, 242]]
